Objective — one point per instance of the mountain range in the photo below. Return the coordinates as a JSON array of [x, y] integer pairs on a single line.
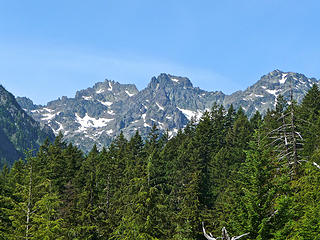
[[99, 113]]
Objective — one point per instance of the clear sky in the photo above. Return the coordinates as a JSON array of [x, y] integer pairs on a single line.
[[53, 48]]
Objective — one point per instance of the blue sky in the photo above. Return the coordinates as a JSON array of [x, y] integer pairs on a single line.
[[53, 48]]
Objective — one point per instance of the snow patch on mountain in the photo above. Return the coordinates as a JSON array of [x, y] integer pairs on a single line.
[[108, 104], [47, 109], [175, 80], [283, 78], [100, 91], [90, 122], [88, 98], [189, 113], [159, 124], [252, 96], [129, 94], [159, 106], [61, 128], [49, 116], [109, 132], [173, 132], [111, 112], [273, 92], [110, 87]]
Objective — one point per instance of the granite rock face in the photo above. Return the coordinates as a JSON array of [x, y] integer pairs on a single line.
[[98, 114]]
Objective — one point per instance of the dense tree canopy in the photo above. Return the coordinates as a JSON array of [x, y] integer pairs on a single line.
[[258, 175]]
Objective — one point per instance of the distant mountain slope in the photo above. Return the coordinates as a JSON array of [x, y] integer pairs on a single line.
[[262, 95], [18, 131], [97, 114]]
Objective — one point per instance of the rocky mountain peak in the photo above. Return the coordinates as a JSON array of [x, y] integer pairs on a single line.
[[280, 78], [182, 81], [18, 131], [6, 97], [107, 92], [165, 80], [275, 72], [26, 103], [263, 94], [274, 77]]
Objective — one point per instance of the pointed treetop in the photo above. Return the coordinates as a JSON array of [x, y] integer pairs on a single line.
[[94, 150]]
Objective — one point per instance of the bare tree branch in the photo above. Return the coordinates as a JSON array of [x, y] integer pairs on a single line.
[[225, 235], [235, 238], [315, 164], [206, 235]]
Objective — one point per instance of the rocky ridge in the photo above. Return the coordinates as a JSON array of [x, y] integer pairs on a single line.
[[18, 131], [98, 114]]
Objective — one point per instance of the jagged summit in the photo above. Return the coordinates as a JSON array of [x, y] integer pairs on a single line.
[[166, 80], [263, 94], [275, 72], [184, 81], [6, 98], [99, 113], [107, 91], [280, 77]]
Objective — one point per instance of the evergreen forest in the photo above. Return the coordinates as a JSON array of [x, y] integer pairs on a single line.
[[258, 175]]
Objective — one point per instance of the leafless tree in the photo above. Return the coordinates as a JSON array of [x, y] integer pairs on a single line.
[[225, 235], [287, 140]]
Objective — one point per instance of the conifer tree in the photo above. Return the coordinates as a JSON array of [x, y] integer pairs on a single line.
[[31, 202], [46, 221], [257, 191], [309, 113], [88, 196]]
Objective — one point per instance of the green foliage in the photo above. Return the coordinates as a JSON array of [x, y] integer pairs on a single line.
[[18, 131], [225, 169]]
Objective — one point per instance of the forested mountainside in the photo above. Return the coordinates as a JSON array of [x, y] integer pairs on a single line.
[[96, 115], [259, 175], [18, 131]]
